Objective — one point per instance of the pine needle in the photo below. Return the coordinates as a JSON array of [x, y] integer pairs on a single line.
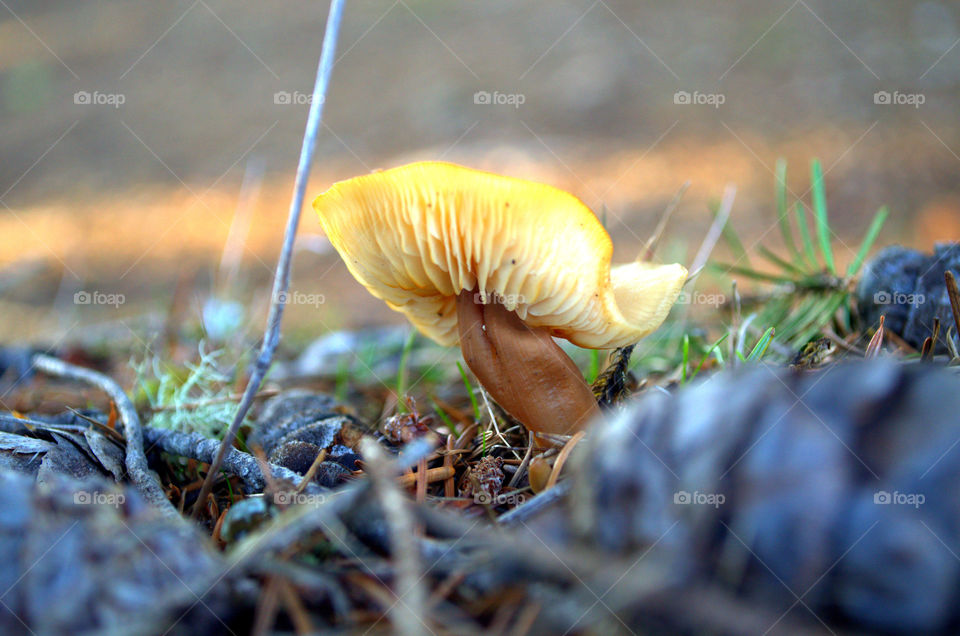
[[820, 213]]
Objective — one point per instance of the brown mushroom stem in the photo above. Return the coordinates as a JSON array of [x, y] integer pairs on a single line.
[[523, 369]]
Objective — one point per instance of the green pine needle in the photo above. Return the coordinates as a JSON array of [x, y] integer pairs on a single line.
[[878, 220], [801, 216], [725, 268], [820, 213], [783, 212], [779, 262]]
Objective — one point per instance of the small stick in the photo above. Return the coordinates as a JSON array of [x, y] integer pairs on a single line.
[[954, 294], [422, 480], [900, 342], [312, 471], [531, 507], [523, 464], [292, 526], [272, 486], [430, 476], [295, 609], [136, 460], [266, 612], [493, 420], [467, 435], [525, 620], [281, 281], [507, 608], [407, 613], [446, 586], [835, 338], [651, 245], [449, 488], [562, 458], [716, 228]]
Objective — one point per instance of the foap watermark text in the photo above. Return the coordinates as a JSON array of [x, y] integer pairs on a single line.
[[697, 498], [84, 297], [496, 98], [96, 98], [696, 98]]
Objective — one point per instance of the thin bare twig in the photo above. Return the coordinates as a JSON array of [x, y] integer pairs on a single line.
[[281, 281], [562, 458], [518, 475], [203, 449], [715, 231], [533, 506], [954, 295], [430, 476], [293, 525], [407, 612], [267, 606], [312, 471], [651, 245], [136, 460], [295, 609]]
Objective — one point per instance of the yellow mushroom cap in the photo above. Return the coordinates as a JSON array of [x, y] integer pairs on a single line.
[[416, 235]]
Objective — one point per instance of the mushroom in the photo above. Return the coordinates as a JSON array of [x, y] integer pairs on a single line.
[[501, 266]]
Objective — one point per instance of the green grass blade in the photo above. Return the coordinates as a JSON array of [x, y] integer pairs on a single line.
[[820, 213], [710, 351], [473, 398], [878, 220], [443, 416], [761, 347], [805, 237], [342, 383], [686, 358], [783, 212]]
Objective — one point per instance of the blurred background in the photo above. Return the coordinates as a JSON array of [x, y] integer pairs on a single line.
[[147, 150]]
